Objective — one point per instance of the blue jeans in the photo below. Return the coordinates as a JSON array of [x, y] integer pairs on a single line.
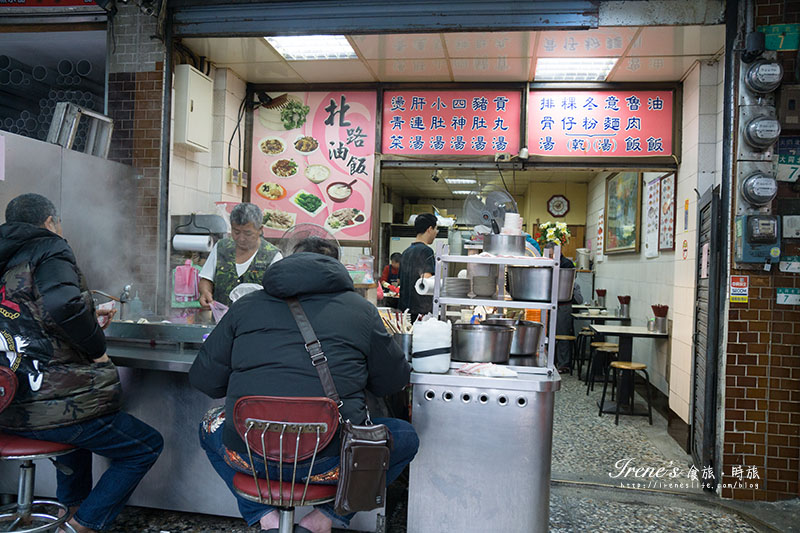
[[130, 444], [405, 447]]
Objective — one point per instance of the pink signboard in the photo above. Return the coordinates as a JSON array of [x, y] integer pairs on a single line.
[[313, 161], [451, 122], [600, 123]]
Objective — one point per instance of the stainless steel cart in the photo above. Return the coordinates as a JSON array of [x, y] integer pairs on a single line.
[[484, 457]]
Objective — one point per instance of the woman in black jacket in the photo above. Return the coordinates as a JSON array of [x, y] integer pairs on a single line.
[[257, 349]]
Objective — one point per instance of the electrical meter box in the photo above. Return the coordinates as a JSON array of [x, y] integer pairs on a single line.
[[194, 113], [757, 239]]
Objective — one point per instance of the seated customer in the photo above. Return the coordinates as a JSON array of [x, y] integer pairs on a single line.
[[69, 390], [257, 349], [391, 272]]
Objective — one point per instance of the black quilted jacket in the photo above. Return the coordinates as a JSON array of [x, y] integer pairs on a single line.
[[49, 335]]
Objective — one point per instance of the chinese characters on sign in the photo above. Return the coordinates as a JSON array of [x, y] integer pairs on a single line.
[[788, 158], [666, 213], [740, 289], [600, 123], [450, 122], [314, 162]]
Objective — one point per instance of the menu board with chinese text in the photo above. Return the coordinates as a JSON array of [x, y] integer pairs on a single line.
[[451, 122], [600, 123], [666, 213], [313, 162]]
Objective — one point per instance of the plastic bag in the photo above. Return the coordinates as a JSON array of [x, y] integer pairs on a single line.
[[489, 370], [218, 311]]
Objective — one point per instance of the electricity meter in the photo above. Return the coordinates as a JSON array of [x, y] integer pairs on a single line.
[[759, 188], [763, 76], [762, 131]]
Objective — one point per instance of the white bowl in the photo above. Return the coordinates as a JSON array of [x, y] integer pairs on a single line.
[[594, 312]]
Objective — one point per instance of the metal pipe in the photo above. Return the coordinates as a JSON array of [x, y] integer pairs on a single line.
[[8, 122], [14, 128], [31, 124], [44, 74], [19, 123], [9, 63], [88, 85], [25, 115], [60, 96], [23, 79], [5, 77], [83, 67], [65, 67]]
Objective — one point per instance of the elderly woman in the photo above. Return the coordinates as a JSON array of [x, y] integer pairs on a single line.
[[241, 258]]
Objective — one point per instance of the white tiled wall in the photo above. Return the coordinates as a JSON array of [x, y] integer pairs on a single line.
[[196, 179], [669, 279]]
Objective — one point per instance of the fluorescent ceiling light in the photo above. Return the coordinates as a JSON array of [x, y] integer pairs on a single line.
[[462, 193], [460, 181], [308, 47], [573, 68]]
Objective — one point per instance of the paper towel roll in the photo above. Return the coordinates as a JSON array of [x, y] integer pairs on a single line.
[[424, 286], [192, 243]]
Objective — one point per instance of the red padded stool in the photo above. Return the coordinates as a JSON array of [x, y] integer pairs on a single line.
[[286, 431], [20, 517]]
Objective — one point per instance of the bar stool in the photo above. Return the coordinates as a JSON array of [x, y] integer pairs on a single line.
[[607, 351], [627, 366], [571, 340], [286, 431], [20, 517], [584, 338]]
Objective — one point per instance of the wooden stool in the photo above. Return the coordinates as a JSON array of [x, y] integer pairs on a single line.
[[583, 336], [606, 350], [570, 339], [627, 366]]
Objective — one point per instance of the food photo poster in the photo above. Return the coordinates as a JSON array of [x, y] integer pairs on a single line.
[[313, 162]]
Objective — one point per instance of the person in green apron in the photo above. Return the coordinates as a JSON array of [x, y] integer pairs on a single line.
[[241, 258]]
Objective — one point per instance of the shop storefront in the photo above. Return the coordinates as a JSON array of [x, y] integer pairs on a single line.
[[610, 124]]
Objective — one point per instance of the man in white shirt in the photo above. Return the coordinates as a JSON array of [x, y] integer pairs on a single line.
[[241, 258]]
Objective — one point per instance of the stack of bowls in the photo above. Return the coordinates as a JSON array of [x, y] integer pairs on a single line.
[[484, 286], [456, 287]]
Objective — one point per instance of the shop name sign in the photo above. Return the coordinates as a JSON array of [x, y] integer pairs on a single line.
[[451, 122], [740, 289], [600, 123]]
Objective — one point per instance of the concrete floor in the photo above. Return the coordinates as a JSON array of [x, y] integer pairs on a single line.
[[587, 450]]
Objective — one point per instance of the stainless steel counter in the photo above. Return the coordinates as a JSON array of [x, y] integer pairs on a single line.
[[485, 452]]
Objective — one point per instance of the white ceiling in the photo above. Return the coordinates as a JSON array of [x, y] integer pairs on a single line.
[[646, 54], [418, 183]]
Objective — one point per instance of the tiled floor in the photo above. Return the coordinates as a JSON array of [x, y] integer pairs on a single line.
[[584, 497]]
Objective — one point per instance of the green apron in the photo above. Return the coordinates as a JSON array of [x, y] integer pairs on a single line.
[[225, 278]]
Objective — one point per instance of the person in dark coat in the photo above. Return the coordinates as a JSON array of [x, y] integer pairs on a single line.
[[69, 390], [417, 262], [257, 349]]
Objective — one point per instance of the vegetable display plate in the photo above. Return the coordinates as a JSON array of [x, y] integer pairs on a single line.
[[311, 213]]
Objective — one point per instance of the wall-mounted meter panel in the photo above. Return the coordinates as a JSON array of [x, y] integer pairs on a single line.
[[763, 76], [759, 80], [759, 189], [755, 187], [757, 239], [759, 129]]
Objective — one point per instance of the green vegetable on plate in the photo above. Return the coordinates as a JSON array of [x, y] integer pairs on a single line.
[[293, 115], [309, 202]]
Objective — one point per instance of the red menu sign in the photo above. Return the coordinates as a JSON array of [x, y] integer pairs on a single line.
[[451, 122], [600, 123], [313, 161]]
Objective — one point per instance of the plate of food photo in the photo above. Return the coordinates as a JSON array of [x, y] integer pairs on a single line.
[[310, 203], [284, 168], [272, 146], [306, 144], [271, 191]]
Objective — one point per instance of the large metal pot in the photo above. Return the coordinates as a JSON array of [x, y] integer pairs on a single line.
[[566, 282], [533, 284], [526, 335], [504, 244], [481, 343]]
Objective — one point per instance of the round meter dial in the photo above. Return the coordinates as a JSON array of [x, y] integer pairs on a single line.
[[764, 76], [762, 131], [759, 189]]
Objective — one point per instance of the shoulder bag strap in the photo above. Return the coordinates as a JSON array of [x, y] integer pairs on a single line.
[[314, 349]]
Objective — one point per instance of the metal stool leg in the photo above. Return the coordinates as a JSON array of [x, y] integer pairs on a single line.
[[616, 414], [22, 513], [589, 367], [579, 349], [286, 520], [603, 397], [649, 405]]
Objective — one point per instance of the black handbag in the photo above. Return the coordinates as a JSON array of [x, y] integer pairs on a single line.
[[364, 453]]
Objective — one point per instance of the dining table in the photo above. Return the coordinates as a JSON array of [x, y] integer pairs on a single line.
[[601, 318], [626, 335], [584, 307]]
